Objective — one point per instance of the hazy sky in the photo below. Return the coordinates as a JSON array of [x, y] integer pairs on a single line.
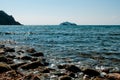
[[40, 12]]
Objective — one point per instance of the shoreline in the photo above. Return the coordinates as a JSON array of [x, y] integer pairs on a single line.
[[22, 64]]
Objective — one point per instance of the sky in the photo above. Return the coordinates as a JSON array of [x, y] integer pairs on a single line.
[[53, 12]]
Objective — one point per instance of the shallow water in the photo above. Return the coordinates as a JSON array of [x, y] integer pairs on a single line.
[[84, 44]]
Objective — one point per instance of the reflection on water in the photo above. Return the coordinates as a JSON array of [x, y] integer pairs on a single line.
[[91, 45]]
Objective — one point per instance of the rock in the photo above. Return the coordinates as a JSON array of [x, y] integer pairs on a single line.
[[60, 74], [2, 46], [113, 76], [3, 59], [37, 54], [15, 66], [10, 56], [72, 75], [9, 49], [86, 77], [91, 72], [6, 60], [32, 65], [62, 66], [31, 50], [4, 67], [46, 70], [26, 58], [68, 24], [100, 78], [31, 77], [73, 68], [6, 19], [65, 78], [2, 51]]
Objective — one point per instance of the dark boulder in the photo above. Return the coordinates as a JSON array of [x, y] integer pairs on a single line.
[[73, 68], [4, 67], [6, 19], [9, 49], [37, 54], [32, 65], [91, 72]]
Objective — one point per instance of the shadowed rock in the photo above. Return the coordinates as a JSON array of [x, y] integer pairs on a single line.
[[4, 67], [91, 72]]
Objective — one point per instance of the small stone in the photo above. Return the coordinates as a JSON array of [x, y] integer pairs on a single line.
[[31, 50], [73, 68], [65, 78], [37, 54], [91, 72], [4, 67]]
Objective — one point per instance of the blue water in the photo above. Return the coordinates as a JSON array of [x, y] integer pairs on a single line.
[[86, 44]]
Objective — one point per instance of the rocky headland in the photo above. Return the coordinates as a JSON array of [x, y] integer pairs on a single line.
[[6, 19], [30, 64]]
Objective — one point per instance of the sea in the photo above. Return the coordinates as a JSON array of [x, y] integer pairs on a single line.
[[84, 45]]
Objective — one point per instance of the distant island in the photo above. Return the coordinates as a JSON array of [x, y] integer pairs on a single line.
[[68, 24], [6, 19]]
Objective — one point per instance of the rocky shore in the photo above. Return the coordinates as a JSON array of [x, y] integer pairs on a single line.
[[29, 64]]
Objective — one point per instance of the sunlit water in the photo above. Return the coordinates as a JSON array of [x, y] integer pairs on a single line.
[[84, 45]]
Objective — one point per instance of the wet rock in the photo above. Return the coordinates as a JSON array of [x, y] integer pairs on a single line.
[[46, 70], [4, 67], [26, 58], [65, 78], [37, 54], [31, 50], [9, 49], [31, 77], [73, 68], [10, 56], [91, 72], [60, 74], [113, 76], [3, 59], [15, 66], [32, 65], [72, 75], [62, 66], [100, 78], [2, 46]]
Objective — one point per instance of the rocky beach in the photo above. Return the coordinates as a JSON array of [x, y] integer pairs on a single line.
[[29, 64]]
